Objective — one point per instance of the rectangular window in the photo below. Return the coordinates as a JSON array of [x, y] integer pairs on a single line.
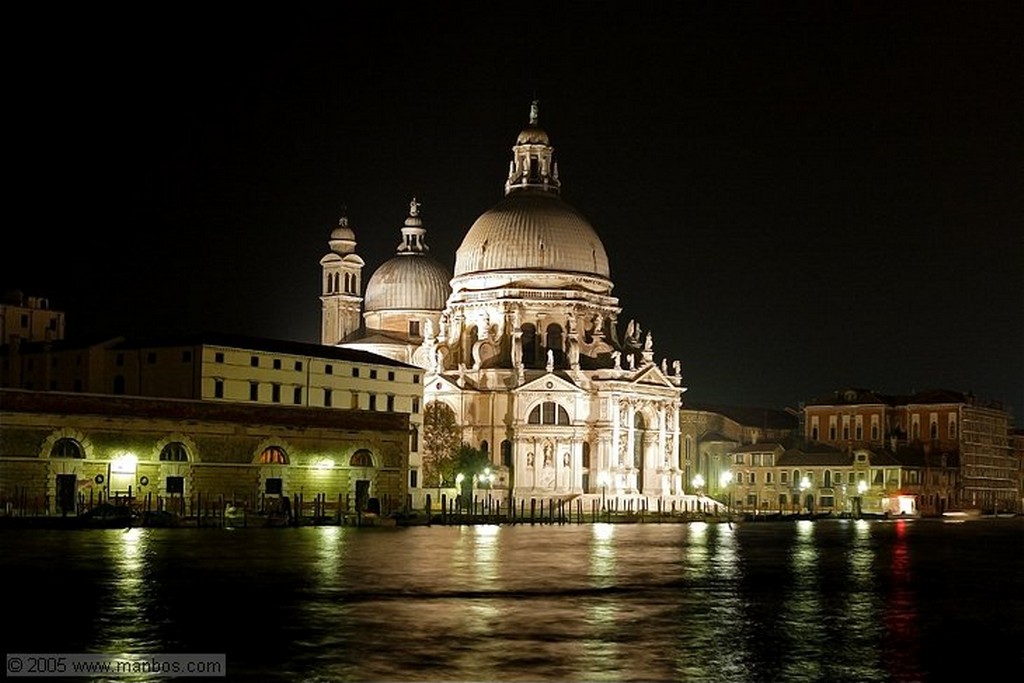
[[298, 365], [391, 376], [275, 393], [355, 372], [768, 477], [254, 361], [738, 459], [328, 369], [175, 485], [784, 477], [373, 401], [218, 357], [415, 404], [391, 403], [274, 486], [297, 398], [254, 391], [277, 363], [413, 478], [415, 379], [851, 478], [354, 401], [373, 374], [752, 478], [218, 388], [414, 328], [414, 440]]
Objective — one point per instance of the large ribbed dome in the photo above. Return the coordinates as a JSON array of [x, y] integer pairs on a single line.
[[411, 281], [532, 230], [408, 283]]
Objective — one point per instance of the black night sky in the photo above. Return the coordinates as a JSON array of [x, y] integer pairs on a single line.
[[794, 197]]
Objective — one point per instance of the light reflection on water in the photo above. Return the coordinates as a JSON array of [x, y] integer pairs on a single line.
[[832, 600]]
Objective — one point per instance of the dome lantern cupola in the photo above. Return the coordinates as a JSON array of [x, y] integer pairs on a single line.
[[533, 166], [413, 232], [343, 239]]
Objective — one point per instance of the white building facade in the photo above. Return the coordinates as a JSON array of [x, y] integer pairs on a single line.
[[522, 341]]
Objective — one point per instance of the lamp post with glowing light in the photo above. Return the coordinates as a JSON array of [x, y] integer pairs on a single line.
[[724, 481], [602, 481], [862, 487]]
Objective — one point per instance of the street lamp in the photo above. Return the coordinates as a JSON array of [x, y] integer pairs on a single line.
[[862, 487], [723, 481], [698, 483], [805, 484]]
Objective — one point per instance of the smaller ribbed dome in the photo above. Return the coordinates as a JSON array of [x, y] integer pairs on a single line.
[[408, 284], [411, 281]]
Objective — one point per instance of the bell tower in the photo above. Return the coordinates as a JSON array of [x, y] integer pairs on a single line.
[[341, 286]]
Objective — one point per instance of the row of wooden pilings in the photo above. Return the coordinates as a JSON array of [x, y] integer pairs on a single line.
[[490, 510]]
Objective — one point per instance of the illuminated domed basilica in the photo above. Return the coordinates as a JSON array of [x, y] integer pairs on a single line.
[[522, 340]]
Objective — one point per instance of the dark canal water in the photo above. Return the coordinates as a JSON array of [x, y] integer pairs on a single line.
[[775, 601]]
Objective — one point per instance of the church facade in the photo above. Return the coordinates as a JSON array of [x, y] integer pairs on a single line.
[[522, 340]]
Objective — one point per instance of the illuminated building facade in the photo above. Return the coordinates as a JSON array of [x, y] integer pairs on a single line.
[[251, 416], [943, 431], [523, 342]]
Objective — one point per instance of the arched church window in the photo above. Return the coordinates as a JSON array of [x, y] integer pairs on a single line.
[[273, 455], [329, 285], [174, 452], [484, 447], [506, 453], [67, 448], [361, 458], [548, 413], [586, 454]]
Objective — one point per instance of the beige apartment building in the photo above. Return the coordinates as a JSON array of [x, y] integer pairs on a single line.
[[322, 383]]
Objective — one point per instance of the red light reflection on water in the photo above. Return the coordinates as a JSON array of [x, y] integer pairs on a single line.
[[900, 616]]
